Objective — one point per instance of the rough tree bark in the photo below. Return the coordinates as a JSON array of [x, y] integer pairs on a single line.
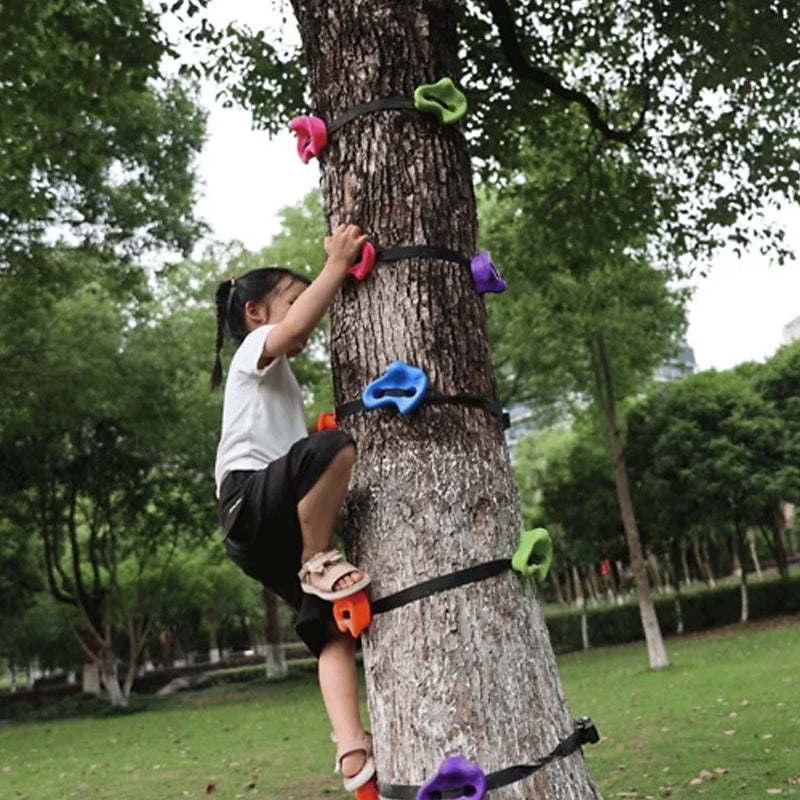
[[469, 671]]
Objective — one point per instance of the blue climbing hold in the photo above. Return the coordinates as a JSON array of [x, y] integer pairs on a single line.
[[401, 385]]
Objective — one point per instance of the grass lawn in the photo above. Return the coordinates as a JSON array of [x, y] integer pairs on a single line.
[[722, 722]]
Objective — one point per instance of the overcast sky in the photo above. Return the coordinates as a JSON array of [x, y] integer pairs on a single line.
[[737, 313]]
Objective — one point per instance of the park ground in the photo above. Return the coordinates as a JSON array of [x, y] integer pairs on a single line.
[[723, 721]]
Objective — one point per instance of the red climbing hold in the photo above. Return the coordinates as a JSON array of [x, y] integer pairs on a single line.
[[326, 421], [369, 791], [365, 265], [312, 136], [352, 614]]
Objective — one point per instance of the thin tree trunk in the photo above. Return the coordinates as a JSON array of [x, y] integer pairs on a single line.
[[736, 540], [656, 651], [751, 541], [687, 575], [275, 655], [555, 576], [213, 641], [432, 492]]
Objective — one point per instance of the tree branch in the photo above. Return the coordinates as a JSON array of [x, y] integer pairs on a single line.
[[501, 14]]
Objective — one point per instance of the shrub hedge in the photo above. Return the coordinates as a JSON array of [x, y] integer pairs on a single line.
[[701, 610]]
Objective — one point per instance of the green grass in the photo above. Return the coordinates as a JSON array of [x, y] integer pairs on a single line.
[[722, 722]]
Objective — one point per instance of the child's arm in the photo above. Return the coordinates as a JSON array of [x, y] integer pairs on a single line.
[[291, 334]]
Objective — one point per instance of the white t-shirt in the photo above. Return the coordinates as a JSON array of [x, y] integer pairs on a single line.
[[262, 414]]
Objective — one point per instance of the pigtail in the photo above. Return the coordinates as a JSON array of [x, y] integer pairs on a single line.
[[223, 298], [232, 295]]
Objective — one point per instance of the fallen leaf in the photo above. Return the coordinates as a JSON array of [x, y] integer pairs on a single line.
[[721, 770]]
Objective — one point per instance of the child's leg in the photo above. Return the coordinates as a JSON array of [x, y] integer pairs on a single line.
[[338, 680], [320, 506]]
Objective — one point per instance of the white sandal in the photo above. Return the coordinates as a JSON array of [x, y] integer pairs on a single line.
[[320, 573], [361, 744]]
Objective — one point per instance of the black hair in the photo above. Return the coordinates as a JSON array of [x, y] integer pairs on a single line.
[[232, 295]]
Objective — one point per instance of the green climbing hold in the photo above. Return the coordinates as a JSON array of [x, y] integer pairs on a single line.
[[534, 554], [442, 99]]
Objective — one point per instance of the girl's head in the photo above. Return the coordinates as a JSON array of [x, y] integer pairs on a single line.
[[246, 302]]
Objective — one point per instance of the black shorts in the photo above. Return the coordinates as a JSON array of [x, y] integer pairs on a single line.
[[258, 517]]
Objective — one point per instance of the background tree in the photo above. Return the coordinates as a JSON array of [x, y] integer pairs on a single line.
[[96, 147], [589, 317], [712, 440]]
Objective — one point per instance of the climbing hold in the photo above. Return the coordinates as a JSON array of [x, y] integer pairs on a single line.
[[312, 136], [442, 99], [352, 614], [364, 266], [485, 274], [534, 554], [369, 791], [455, 774], [401, 385], [326, 420]]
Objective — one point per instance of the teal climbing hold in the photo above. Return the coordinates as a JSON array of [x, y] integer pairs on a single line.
[[442, 99], [534, 554]]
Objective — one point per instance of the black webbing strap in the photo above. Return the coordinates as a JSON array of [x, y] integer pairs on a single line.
[[370, 107], [476, 401], [441, 584], [421, 251], [585, 732]]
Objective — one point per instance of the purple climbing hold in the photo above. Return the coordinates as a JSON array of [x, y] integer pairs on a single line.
[[455, 774], [485, 274]]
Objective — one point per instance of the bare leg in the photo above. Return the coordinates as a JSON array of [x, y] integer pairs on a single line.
[[338, 681], [320, 507]]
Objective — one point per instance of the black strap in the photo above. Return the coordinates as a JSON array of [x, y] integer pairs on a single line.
[[476, 401], [370, 107], [585, 732], [441, 583], [421, 251]]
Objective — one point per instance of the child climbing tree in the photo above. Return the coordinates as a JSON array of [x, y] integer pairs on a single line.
[[468, 671]]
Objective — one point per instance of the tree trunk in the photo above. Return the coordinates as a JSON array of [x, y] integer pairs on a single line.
[[432, 492], [656, 651], [778, 528], [736, 540], [687, 575], [275, 654], [751, 542], [555, 576], [213, 641]]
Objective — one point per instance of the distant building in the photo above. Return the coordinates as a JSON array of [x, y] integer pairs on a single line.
[[679, 366], [791, 332]]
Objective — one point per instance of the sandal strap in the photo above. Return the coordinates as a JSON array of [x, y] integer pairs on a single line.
[[319, 562], [361, 743]]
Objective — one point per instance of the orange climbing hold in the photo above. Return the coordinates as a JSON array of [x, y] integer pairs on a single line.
[[326, 420], [369, 791], [352, 614]]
